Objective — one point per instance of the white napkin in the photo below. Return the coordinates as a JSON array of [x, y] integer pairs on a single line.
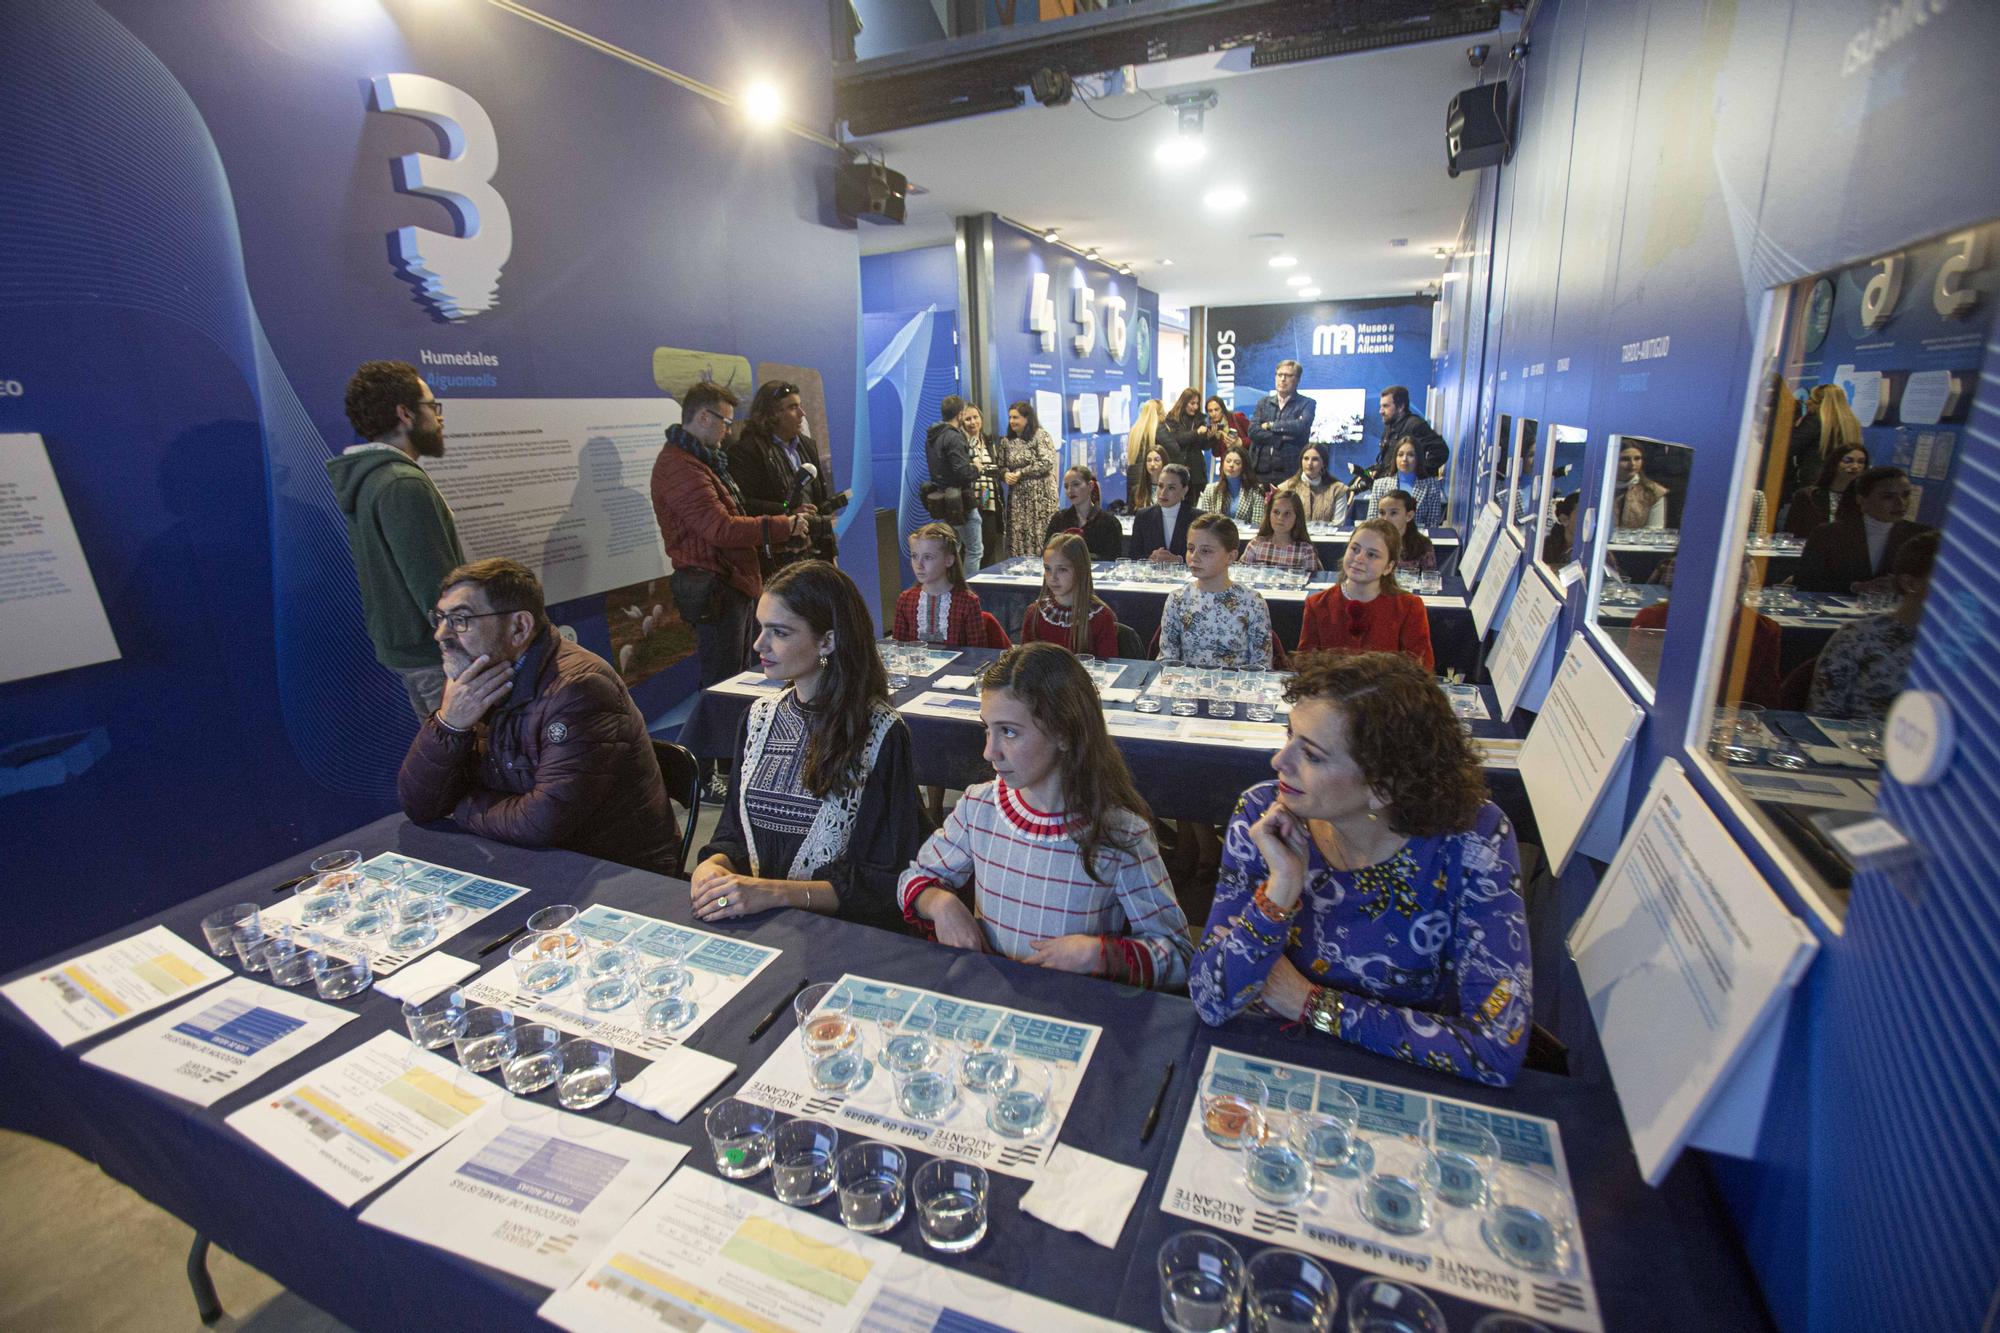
[[1836, 756], [955, 682], [425, 977], [676, 1083], [1118, 694], [1084, 1193]]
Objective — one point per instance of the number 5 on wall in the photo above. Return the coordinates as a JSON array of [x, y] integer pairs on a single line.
[[457, 276]]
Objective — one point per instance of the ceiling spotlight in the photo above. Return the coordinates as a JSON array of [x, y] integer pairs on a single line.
[[1125, 269], [762, 103], [1183, 150], [1442, 252], [1166, 263], [1225, 199], [1284, 261], [1299, 280], [1091, 253], [1308, 293], [1052, 236]]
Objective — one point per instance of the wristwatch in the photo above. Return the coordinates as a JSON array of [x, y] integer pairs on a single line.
[[1322, 1011]]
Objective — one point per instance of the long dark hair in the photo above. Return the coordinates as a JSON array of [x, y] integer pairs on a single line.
[[1027, 411], [764, 407], [1414, 545], [1083, 603], [1187, 405], [851, 683], [1846, 501], [1095, 782]]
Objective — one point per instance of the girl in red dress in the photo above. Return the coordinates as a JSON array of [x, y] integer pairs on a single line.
[[1366, 612], [1068, 612]]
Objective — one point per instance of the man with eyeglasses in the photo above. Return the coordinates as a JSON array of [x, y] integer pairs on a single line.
[[711, 537], [537, 741], [399, 528]]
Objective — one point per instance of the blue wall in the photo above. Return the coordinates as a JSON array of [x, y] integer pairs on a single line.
[[1675, 162], [198, 207], [910, 347]]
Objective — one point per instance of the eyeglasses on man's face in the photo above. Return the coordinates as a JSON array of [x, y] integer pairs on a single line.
[[460, 621]]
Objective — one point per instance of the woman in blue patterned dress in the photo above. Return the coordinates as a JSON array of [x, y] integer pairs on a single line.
[[1372, 891]]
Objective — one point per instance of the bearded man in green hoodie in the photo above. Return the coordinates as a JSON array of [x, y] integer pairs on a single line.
[[398, 526]]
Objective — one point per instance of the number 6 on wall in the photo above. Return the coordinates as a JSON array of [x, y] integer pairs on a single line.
[[457, 276], [1878, 298]]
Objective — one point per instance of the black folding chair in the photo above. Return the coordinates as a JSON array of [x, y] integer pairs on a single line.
[[1129, 645], [682, 775]]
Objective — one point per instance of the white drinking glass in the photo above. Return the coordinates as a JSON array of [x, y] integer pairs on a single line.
[[1288, 1292], [1201, 1283]]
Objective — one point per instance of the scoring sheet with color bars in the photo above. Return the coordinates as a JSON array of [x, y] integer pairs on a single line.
[[468, 898], [784, 1083], [1207, 1187], [103, 988], [719, 968]]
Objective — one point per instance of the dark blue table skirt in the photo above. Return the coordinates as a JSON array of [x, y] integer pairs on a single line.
[[1647, 1259], [1179, 780]]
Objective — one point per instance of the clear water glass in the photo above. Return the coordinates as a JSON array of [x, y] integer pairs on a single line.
[[929, 1093], [1263, 705], [609, 977], [830, 1037], [951, 1204], [668, 988], [1785, 753], [802, 1157], [292, 962], [1221, 708], [1201, 1283], [739, 1134], [909, 1043], [1147, 703], [247, 939], [1384, 1305], [326, 897], [1183, 699], [1025, 1108], [1275, 1169], [536, 1061], [1529, 1223], [1232, 1109], [986, 1064], [335, 861], [1396, 1194], [485, 1039], [215, 927], [438, 1020], [1463, 1155], [589, 1073], [558, 923], [869, 1177], [338, 978], [380, 885], [1288, 1292], [1328, 1132], [540, 967]]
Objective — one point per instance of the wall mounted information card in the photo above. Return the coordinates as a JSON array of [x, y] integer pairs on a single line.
[[1685, 954], [1577, 760], [51, 618], [1479, 544], [1454, 1255], [354, 1124], [704, 1254], [870, 1108], [217, 1042], [106, 986], [529, 1189], [1520, 662], [719, 967], [1496, 583]]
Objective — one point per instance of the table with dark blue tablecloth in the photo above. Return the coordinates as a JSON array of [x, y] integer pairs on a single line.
[[1178, 779], [186, 1160]]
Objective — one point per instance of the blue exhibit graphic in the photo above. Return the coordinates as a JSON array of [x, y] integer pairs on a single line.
[[238, 1027], [543, 1168], [254, 216], [1348, 352]]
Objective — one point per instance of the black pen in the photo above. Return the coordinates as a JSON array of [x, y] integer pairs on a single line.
[[1159, 1098], [292, 883], [764, 1023], [505, 940]]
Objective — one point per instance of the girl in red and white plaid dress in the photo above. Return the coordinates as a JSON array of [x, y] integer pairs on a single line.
[[1282, 542], [940, 609], [1059, 847]]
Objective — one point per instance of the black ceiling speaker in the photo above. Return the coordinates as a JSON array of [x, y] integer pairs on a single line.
[[1476, 129], [869, 191], [1051, 87]]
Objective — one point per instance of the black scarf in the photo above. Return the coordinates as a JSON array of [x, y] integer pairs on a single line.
[[717, 462]]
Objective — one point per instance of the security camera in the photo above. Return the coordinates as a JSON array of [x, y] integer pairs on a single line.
[[1476, 54]]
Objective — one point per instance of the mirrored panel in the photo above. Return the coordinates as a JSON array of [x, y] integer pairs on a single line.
[[1494, 486], [1521, 472], [1868, 383], [1645, 488], [1558, 512]]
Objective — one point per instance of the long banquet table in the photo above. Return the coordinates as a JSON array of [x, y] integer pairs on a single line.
[[1648, 1253]]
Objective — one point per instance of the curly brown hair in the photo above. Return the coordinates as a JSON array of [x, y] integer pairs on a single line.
[[377, 389], [1403, 735]]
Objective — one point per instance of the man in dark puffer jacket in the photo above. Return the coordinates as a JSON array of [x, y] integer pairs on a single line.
[[537, 742]]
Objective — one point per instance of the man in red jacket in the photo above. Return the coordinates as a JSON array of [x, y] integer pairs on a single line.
[[537, 742]]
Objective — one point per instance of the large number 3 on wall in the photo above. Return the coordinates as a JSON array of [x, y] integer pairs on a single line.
[[457, 276]]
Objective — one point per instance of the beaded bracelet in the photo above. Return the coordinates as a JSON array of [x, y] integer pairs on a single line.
[[1262, 899]]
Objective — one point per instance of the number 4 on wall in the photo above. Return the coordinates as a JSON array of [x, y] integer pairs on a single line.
[[457, 276]]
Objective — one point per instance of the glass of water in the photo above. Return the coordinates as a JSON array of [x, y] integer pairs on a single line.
[[739, 1134], [247, 939], [588, 1073], [986, 1064], [326, 897], [537, 1059], [609, 971], [1183, 697], [437, 1021], [1327, 1133], [538, 968], [669, 987], [292, 962], [1383, 1305], [910, 1042], [1275, 1166], [929, 1091], [1232, 1108], [1463, 1154], [338, 978], [951, 1204], [335, 861], [557, 923], [1201, 1283], [870, 1179], [215, 927], [485, 1039], [417, 907], [1529, 1224], [1396, 1194], [1288, 1292], [830, 1036], [1025, 1108], [802, 1157]]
